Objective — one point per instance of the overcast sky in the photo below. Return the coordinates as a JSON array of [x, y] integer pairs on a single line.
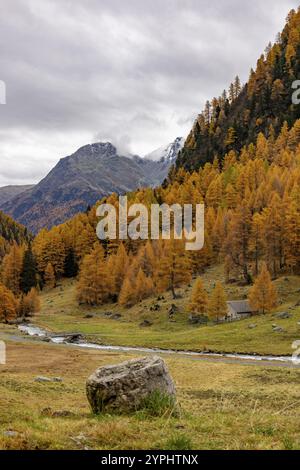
[[134, 72]]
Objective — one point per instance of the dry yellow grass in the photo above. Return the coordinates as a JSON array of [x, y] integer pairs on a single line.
[[223, 406]]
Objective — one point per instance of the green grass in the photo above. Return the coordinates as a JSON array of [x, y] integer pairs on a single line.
[[159, 404], [61, 313], [179, 442]]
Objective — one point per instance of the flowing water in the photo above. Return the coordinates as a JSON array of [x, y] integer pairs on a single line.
[[32, 330]]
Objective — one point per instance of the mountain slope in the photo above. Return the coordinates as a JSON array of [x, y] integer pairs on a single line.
[[9, 192], [236, 118], [167, 153], [11, 231], [157, 164], [80, 180]]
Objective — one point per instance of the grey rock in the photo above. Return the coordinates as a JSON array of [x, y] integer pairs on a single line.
[[10, 433], [108, 314], [57, 379], [123, 387], [173, 309], [56, 414], [46, 339], [252, 327], [155, 308], [17, 321], [198, 320], [146, 323], [42, 379], [79, 439], [278, 329], [160, 298], [116, 316], [62, 414], [73, 338], [284, 315]]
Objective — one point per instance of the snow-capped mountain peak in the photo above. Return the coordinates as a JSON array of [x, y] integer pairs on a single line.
[[167, 152]]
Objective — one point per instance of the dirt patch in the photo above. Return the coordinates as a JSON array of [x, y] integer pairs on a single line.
[[276, 377]]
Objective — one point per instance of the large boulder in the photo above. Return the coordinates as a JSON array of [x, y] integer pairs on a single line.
[[124, 387]]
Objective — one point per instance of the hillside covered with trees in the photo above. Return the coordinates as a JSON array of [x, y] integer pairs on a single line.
[[18, 273], [252, 201], [236, 118], [242, 160]]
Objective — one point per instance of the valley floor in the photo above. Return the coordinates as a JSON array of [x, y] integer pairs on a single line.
[[61, 313], [222, 406]]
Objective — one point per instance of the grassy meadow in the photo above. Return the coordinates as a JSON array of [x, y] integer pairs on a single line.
[[221, 406], [61, 313]]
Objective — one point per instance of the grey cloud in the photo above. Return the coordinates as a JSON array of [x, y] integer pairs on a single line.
[[134, 72]]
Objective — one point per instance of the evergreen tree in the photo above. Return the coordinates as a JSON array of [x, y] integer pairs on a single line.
[[174, 268], [28, 277], [93, 285], [263, 295], [127, 297], [199, 298], [217, 306], [8, 304], [121, 266], [49, 277], [71, 265], [11, 269], [29, 303], [143, 286]]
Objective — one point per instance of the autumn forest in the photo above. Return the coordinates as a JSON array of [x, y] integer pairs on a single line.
[[251, 193]]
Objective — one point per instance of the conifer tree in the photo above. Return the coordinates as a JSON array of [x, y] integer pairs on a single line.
[[263, 295], [230, 138], [93, 287], [49, 276], [11, 269], [292, 245], [274, 227], [199, 298], [71, 265], [121, 266], [237, 87], [29, 304], [237, 243], [49, 247], [201, 259], [214, 193], [217, 306], [256, 240], [8, 304], [174, 268], [231, 197], [143, 286], [28, 277], [127, 297], [148, 258]]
